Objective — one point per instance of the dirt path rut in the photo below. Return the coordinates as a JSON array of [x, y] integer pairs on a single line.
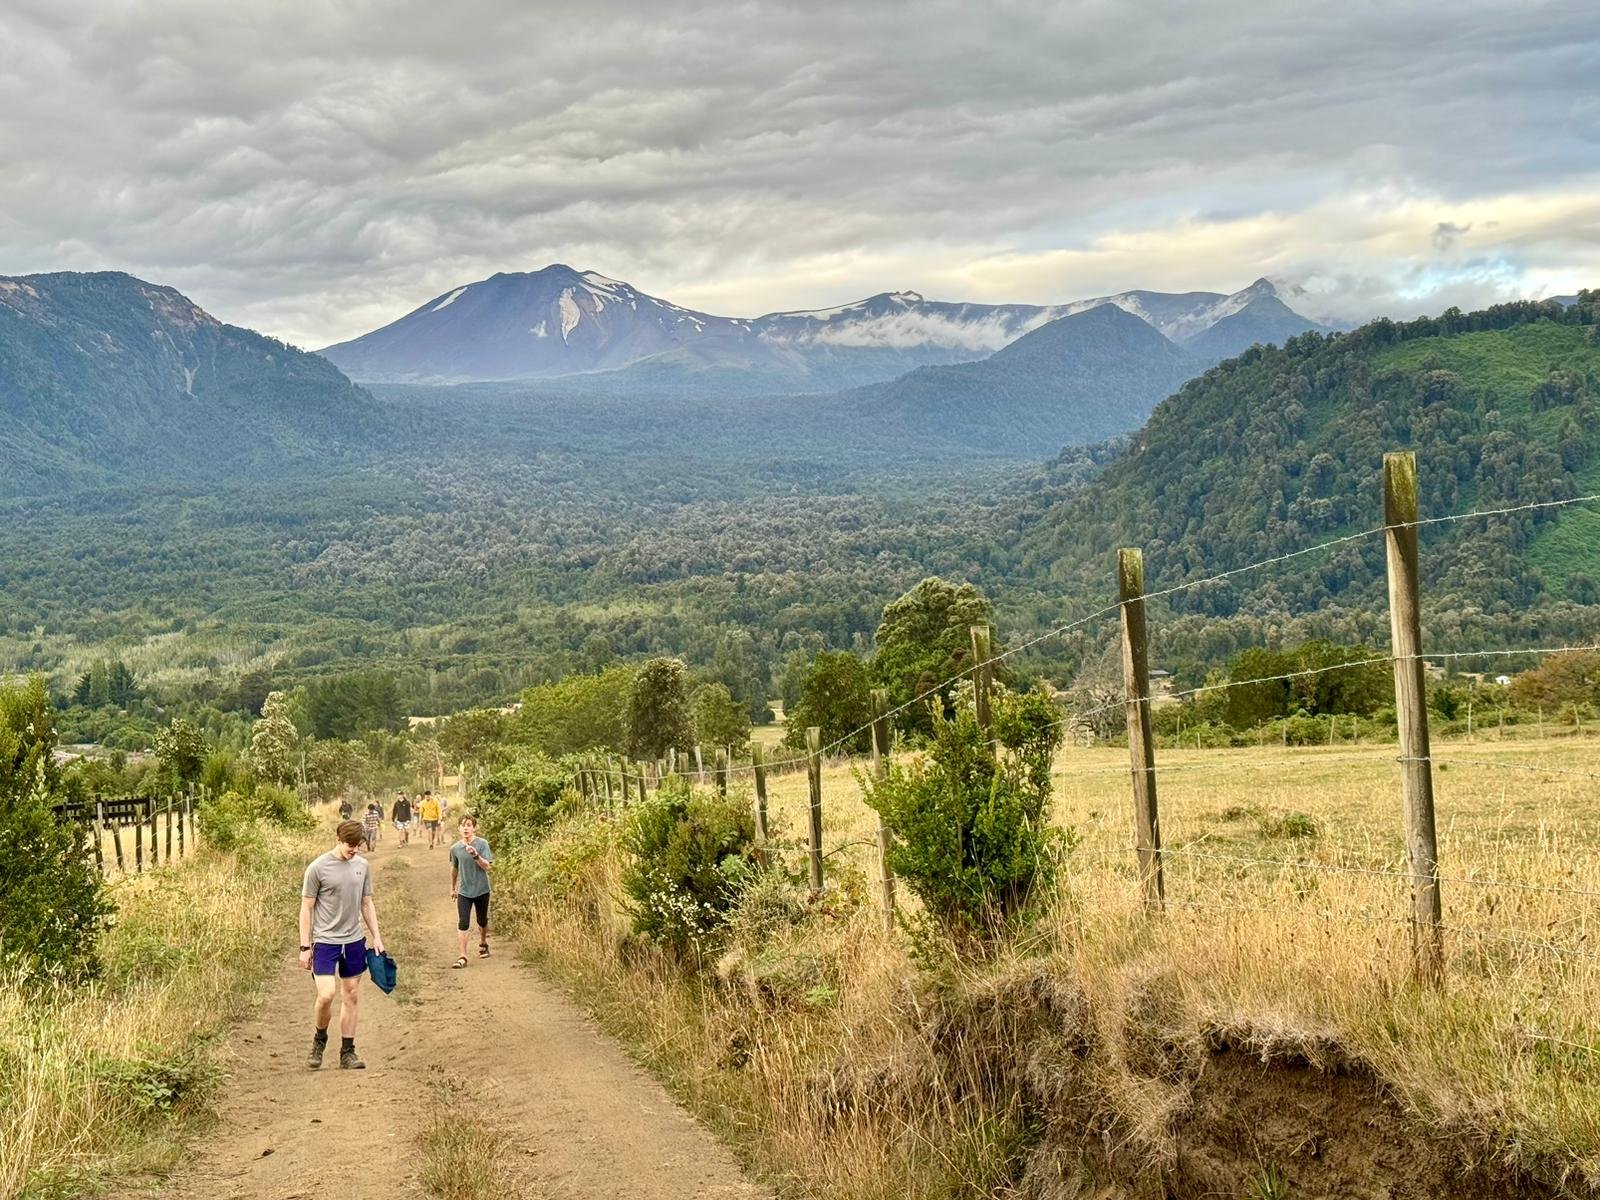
[[578, 1119]]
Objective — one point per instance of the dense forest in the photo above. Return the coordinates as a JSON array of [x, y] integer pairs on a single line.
[[485, 540]]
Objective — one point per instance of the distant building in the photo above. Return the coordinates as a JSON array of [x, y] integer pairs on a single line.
[[1502, 680]]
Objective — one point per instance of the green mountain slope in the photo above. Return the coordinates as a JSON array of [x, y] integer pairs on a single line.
[[1281, 448], [104, 376], [1076, 380]]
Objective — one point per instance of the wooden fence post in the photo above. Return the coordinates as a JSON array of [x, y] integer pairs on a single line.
[[672, 760], [183, 809], [814, 771], [1411, 708], [138, 844], [611, 795], [1141, 746], [99, 835], [722, 770], [880, 771], [167, 821], [699, 766], [151, 807], [982, 673], [758, 768], [116, 844]]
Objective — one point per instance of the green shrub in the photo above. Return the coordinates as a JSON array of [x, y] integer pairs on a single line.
[[52, 903], [517, 803], [971, 822], [688, 854], [230, 820]]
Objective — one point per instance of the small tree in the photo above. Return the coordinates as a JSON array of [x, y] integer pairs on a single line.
[[181, 749], [658, 709], [924, 639], [836, 697], [52, 906], [971, 823], [274, 744], [719, 719]]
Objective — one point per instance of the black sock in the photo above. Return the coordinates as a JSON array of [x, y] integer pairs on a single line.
[[346, 1044], [322, 1037]]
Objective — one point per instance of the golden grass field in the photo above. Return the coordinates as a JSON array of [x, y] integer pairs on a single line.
[[1286, 918], [97, 1079]]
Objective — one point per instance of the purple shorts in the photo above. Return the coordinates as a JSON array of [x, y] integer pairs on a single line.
[[346, 961]]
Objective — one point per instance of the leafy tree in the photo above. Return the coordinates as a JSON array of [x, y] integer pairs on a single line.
[[333, 766], [52, 906], [347, 706], [658, 709], [719, 720], [1570, 678], [836, 697], [971, 822], [518, 799], [580, 712], [924, 639], [472, 736], [274, 743], [181, 749]]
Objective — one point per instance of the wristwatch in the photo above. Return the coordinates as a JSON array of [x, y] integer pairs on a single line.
[[304, 948]]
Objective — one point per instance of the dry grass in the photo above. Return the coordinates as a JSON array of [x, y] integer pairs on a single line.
[[94, 1077], [817, 1050], [463, 1156]]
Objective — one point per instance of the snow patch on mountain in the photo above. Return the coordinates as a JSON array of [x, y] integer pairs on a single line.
[[571, 314], [450, 299]]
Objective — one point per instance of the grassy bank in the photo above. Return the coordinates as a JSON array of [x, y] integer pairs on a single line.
[[99, 1079], [1264, 1034]]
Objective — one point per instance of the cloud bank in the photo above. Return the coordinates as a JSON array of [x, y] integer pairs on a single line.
[[315, 170]]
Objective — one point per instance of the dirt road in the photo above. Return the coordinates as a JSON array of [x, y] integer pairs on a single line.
[[576, 1118]]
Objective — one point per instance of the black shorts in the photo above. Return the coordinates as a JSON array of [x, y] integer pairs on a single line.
[[464, 907]]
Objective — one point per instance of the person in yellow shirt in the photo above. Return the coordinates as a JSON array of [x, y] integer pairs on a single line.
[[431, 816]]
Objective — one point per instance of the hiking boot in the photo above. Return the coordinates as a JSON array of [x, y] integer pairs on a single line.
[[349, 1062], [314, 1059]]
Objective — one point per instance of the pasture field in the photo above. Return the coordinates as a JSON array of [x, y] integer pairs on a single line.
[[1263, 1032]]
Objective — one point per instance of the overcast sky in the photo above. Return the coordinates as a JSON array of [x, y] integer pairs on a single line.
[[317, 169]]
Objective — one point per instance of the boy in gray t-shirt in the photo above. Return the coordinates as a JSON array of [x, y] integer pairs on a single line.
[[335, 900], [470, 859]]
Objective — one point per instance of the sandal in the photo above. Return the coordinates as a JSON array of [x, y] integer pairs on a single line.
[[483, 949], [458, 964]]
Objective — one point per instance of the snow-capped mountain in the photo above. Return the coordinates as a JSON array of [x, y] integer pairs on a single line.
[[561, 322]]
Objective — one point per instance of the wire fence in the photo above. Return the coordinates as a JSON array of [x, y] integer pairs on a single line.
[[1424, 876]]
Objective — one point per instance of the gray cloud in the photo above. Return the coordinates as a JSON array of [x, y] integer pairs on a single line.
[[315, 170]]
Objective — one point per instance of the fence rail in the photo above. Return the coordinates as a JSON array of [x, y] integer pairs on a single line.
[[165, 827]]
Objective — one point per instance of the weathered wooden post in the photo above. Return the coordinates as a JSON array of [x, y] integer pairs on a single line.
[[116, 844], [1141, 746], [699, 766], [150, 808], [183, 811], [138, 843], [99, 835], [880, 771], [167, 821], [758, 768], [982, 673], [814, 771], [611, 795], [1411, 709], [672, 760]]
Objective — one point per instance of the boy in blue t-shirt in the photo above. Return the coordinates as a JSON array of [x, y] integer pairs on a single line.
[[469, 884]]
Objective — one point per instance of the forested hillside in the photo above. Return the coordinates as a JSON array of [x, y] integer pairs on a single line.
[[1281, 448], [103, 375]]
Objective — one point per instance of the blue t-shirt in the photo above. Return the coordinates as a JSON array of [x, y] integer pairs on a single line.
[[471, 879]]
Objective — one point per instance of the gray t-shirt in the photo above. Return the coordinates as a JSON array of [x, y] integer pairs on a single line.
[[472, 880], [338, 886]]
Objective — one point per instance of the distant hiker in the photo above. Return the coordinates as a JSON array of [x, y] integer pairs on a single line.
[[372, 825], [345, 809], [469, 884], [335, 899], [402, 817], [431, 816]]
